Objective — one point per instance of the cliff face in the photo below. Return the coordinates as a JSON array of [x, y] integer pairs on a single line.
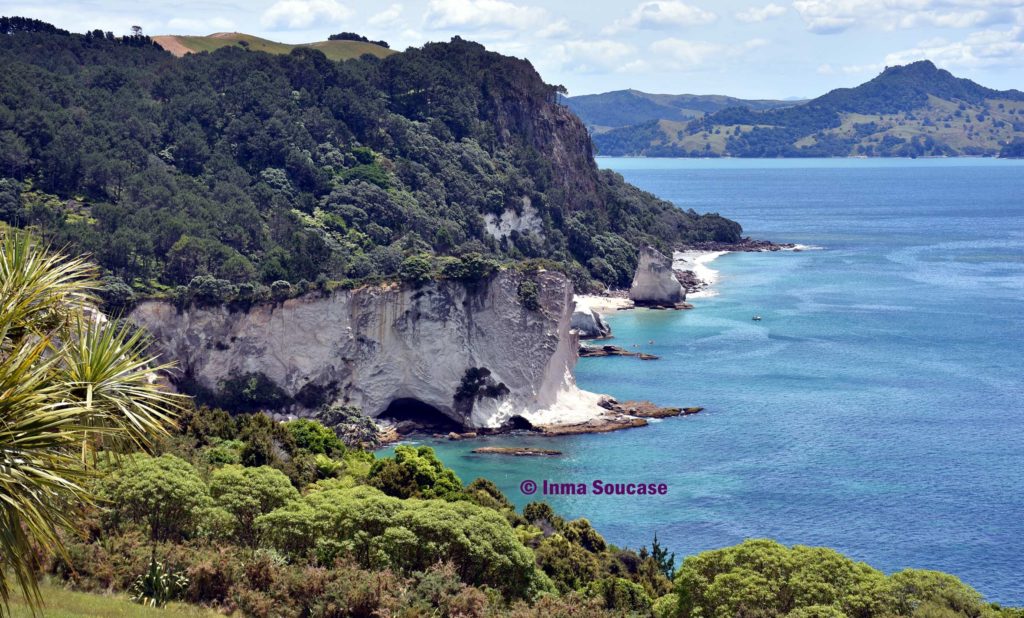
[[654, 282], [473, 353]]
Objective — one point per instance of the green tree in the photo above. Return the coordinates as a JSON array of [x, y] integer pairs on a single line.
[[417, 269], [248, 493], [315, 438], [160, 494], [415, 472]]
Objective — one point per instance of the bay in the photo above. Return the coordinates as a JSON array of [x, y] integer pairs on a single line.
[[875, 409]]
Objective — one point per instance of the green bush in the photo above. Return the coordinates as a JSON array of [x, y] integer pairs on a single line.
[[247, 493], [620, 594], [162, 495], [529, 294], [416, 269], [315, 438], [469, 267], [415, 473], [777, 579], [405, 535]]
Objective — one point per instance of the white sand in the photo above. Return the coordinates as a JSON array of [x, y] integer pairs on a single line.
[[601, 304], [698, 261]]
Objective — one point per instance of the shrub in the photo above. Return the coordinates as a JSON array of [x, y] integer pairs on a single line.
[[620, 594], [280, 290], [528, 294], [470, 267], [207, 290], [415, 473], [157, 586], [315, 438], [776, 579], [161, 494], [416, 269], [247, 493]]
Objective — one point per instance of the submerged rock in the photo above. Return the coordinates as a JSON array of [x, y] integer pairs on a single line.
[[516, 451], [613, 350], [655, 284]]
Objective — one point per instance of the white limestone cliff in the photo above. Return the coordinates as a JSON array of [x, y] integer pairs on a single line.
[[371, 346], [654, 282]]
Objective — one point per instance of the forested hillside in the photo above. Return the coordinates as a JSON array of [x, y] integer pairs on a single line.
[[620, 108], [907, 111], [247, 168]]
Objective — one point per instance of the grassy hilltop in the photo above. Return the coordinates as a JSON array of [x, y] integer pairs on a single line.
[[334, 50]]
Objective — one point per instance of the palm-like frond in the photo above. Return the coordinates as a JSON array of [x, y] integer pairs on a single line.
[[39, 290], [108, 374], [68, 379], [39, 474]]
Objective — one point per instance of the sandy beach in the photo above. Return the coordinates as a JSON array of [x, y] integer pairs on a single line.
[[601, 304], [697, 261]]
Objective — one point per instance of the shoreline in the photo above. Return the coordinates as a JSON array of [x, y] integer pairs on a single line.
[[577, 411]]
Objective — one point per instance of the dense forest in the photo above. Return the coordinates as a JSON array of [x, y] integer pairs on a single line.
[[244, 168], [907, 111]]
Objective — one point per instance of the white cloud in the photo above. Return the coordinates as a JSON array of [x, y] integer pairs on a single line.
[[207, 26], [483, 14], [682, 55], [833, 16], [757, 14], [597, 56], [387, 17], [303, 14], [984, 48], [661, 14]]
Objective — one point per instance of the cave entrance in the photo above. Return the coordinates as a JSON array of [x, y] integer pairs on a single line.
[[519, 423], [416, 415]]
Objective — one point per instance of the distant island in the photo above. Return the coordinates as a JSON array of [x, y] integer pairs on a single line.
[[907, 111]]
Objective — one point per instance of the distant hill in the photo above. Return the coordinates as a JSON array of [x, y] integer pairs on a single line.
[[912, 110], [335, 50], [620, 108]]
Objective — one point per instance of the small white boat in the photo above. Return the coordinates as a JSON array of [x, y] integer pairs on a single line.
[[756, 318]]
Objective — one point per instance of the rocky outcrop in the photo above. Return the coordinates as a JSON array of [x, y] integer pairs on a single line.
[[654, 282], [589, 324], [469, 352], [613, 350]]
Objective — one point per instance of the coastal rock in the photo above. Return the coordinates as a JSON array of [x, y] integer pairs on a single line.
[[600, 424], [516, 451], [466, 355], [613, 350], [589, 324], [654, 283], [646, 409]]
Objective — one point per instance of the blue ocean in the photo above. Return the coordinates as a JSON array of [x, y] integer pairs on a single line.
[[878, 406]]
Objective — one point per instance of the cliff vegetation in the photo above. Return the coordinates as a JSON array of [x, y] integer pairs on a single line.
[[251, 168]]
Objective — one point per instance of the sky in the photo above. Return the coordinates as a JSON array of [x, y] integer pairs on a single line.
[[744, 48]]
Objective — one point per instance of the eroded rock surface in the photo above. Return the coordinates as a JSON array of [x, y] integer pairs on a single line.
[[471, 352], [654, 283]]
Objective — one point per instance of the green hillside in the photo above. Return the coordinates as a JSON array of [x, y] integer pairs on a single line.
[[611, 110], [912, 110], [335, 50], [234, 171]]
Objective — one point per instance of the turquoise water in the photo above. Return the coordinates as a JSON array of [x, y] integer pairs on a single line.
[[876, 409]]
